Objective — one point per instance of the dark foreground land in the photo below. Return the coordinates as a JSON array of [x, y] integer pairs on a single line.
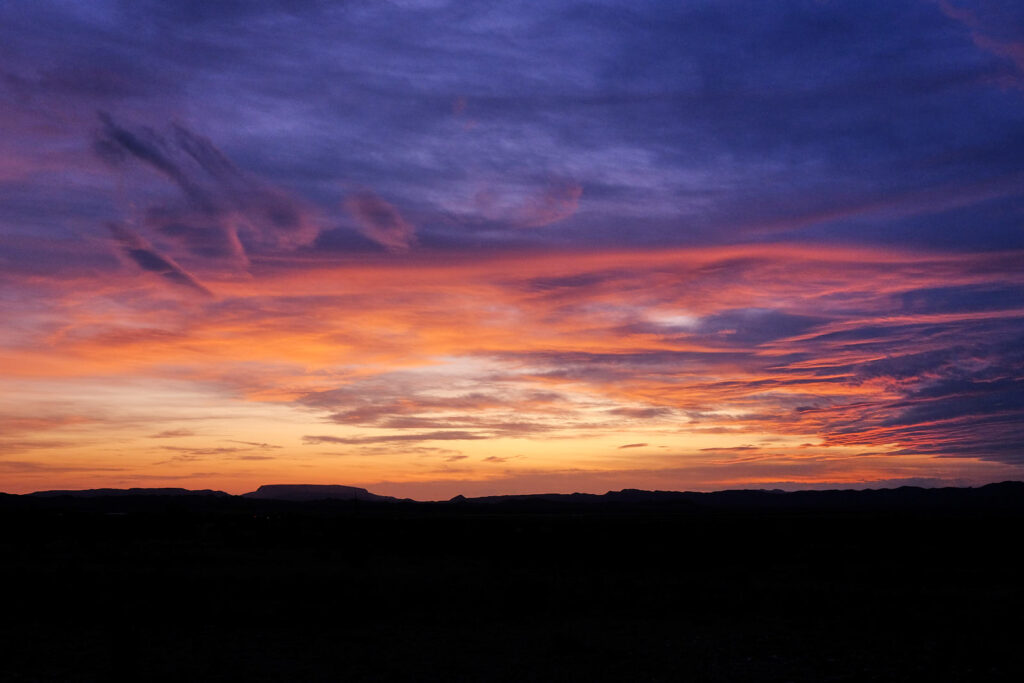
[[208, 588]]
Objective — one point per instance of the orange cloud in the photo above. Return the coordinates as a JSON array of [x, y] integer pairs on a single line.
[[560, 358]]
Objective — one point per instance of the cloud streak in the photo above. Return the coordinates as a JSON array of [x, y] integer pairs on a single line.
[[142, 254], [392, 438]]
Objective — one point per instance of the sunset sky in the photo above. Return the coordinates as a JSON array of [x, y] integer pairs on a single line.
[[433, 247]]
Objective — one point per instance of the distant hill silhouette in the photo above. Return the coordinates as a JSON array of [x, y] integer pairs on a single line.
[[1006, 495], [310, 492]]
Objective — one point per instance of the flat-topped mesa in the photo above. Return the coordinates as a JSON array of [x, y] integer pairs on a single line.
[[304, 492]]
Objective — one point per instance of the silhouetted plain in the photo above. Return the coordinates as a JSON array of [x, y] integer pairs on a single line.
[[630, 586]]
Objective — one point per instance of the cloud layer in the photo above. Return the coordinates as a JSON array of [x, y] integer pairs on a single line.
[[711, 242]]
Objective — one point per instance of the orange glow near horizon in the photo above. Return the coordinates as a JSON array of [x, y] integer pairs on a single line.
[[655, 369]]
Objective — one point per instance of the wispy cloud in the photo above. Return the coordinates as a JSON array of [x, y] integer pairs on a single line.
[[995, 29], [380, 221], [453, 435], [223, 212], [172, 434], [140, 252]]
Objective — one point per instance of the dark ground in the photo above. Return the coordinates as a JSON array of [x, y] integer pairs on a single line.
[[210, 589]]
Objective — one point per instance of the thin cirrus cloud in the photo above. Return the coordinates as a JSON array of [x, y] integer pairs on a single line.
[[536, 205], [556, 203], [635, 251], [389, 438], [992, 29], [140, 252], [172, 434]]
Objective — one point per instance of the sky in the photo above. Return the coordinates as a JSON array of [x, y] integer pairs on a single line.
[[436, 248]]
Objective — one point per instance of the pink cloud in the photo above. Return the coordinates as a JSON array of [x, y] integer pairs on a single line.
[[380, 221], [985, 25], [556, 203]]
